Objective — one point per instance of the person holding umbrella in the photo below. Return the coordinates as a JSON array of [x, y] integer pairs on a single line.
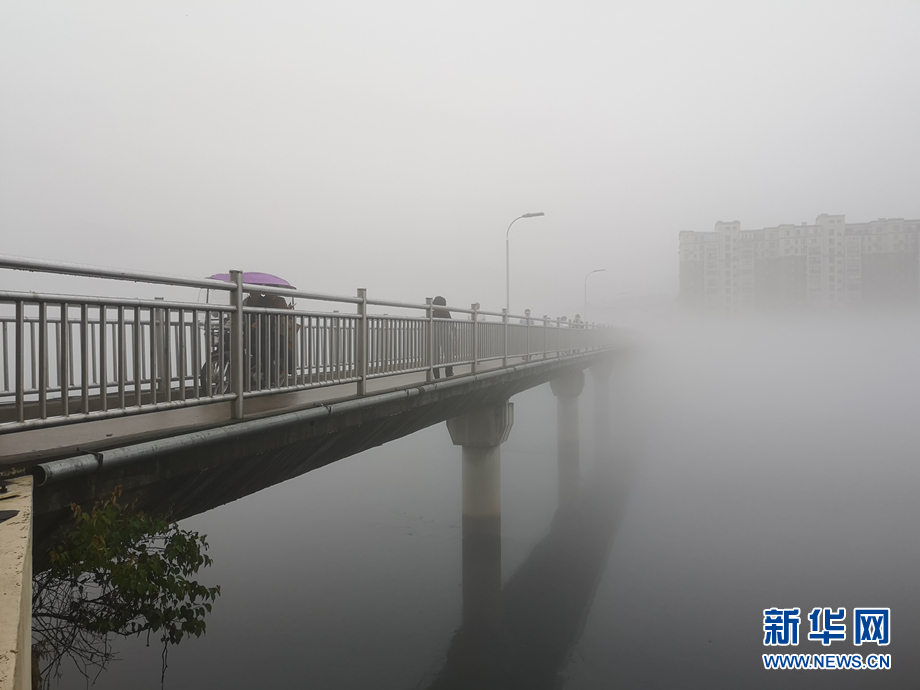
[[445, 336]]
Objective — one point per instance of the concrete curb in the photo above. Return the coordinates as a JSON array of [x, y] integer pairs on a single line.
[[16, 587]]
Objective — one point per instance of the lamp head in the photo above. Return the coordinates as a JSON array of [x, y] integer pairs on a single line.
[[533, 215]]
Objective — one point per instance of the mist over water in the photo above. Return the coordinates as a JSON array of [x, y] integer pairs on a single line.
[[753, 464], [779, 471]]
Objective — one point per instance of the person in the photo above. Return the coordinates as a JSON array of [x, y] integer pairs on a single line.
[[443, 336], [260, 299], [564, 323], [527, 321], [272, 331]]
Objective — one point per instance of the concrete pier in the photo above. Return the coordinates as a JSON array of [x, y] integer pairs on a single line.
[[481, 433], [567, 388], [16, 585]]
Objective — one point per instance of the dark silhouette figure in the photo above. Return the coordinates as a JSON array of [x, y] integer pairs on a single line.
[[444, 335], [274, 336]]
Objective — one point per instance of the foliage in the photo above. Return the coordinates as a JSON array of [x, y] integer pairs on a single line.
[[123, 572]]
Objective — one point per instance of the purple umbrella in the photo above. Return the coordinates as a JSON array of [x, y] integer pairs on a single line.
[[254, 278]]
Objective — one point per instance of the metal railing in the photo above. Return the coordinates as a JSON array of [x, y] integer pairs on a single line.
[[67, 358]]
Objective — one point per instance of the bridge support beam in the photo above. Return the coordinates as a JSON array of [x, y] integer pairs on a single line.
[[567, 388], [481, 433]]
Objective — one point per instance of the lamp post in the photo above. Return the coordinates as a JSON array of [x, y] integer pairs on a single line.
[[508, 257], [598, 270]]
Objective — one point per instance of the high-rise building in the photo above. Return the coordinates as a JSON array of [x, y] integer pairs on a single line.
[[831, 264]]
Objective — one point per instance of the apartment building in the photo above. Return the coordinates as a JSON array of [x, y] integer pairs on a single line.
[[829, 265]]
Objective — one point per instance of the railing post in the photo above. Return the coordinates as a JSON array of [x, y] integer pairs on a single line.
[[43, 360], [545, 333], [84, 358], [63, 350], [361, 344], [475, 307], [236, 343], [21, 363], [429, 375], [527, 335], [161, 334], [505, 337]]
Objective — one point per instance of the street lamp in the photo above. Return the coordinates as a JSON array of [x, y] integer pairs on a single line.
[[598, 270], [508, 258]]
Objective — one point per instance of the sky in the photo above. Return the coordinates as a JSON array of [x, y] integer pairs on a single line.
[[389, 145]]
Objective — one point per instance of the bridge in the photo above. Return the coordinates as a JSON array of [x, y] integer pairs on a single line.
[[218, 387]]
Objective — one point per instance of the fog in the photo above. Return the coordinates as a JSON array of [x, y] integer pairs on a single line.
[[754, 461], [349, 145]]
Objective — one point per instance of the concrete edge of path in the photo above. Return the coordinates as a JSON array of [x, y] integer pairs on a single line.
[[16, 586]]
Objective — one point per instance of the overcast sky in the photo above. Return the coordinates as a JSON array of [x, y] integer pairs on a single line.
[[388, 145]]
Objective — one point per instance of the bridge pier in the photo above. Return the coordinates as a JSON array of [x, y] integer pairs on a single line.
[[567, 388], [481, 433]]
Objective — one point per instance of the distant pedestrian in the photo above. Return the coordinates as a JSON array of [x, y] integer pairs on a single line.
[[565, 338], [527, 321], [444, 336]]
